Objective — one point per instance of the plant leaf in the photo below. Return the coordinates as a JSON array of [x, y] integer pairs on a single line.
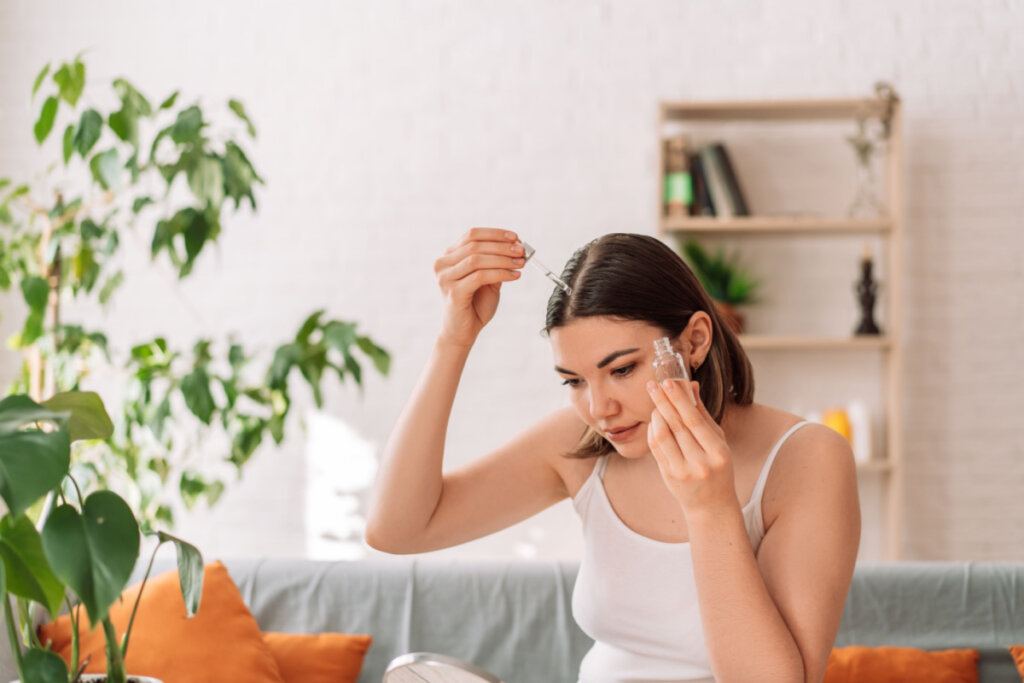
[[69, 142], [32, 462], [39, 79], [94, 552], [239, 110], [206, 180], [169, 102], [195, 387], [70, 79], [187, 126], [190, 570], [381, 358], [44, 666], [106, 169], [89, 128], [24, 563], [46, 118], [89, 418]]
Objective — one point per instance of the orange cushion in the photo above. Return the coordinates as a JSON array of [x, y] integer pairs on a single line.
[[1018, 658], [857, 664], [222, 642], [323, 658]]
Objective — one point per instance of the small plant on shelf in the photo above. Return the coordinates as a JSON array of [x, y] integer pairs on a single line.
[[728, 282]]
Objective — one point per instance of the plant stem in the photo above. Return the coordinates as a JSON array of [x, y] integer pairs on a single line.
[[115, 661], [135, 607], [75, 620], [12, 635]]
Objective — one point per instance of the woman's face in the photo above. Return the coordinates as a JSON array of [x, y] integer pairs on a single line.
[[605, 365]]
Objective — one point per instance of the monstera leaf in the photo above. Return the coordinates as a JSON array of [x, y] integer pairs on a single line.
[[43, 666], [32, 462], [28, 574], [88, 418], [95, 551]]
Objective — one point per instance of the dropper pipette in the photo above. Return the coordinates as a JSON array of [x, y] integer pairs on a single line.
[[528, 255]]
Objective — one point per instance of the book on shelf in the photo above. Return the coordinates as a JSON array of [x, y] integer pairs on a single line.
[[716, 187], [702, 204], [732, 184]]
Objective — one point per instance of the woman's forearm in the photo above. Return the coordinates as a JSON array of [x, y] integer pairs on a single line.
[[409, 482], [747, 638]]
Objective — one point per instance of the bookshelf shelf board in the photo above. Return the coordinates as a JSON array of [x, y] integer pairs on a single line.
[[880, 466], [771, 110], [794, 343], [752, 225]]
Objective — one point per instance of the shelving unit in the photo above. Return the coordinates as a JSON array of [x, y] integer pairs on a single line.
[[888, 464]]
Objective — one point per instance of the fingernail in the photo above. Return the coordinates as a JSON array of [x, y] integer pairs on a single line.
[[652, 386], [510, 235], [666, 384]]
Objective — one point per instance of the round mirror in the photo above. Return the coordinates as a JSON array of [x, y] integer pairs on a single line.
[[420, 667]]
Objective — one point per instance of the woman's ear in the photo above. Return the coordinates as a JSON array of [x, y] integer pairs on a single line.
[[696, 339]]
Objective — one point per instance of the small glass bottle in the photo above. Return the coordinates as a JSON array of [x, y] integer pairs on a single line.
[[669, 364]]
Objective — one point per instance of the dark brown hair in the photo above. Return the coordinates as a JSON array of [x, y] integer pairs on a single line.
[[638, 277]]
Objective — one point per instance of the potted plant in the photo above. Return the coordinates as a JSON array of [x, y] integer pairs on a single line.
[[57, 544], [170, 174], [724, 278]]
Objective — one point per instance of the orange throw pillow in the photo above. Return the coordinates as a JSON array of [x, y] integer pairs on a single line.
[[1018, 658], [858, 664], [322, 658], [222, 642]]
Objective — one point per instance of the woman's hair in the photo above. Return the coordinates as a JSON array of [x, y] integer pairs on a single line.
[[638, 277]]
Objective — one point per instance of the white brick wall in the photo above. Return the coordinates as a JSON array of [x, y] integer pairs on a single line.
[[388, 128]]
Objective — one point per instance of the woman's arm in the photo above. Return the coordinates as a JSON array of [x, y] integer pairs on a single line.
[[415, 507], [772, 617]]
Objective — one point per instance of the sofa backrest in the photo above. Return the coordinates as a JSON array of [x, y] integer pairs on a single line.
[[940, 605], [515, 618], [511, 618]]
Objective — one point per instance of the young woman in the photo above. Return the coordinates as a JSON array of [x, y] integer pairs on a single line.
[[720, 538]]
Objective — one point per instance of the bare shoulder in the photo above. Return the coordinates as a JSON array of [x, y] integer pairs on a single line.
[[814, 467], [562, 432], [549, 440]]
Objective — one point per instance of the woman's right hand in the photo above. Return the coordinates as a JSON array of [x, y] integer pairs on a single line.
[[470, 275]]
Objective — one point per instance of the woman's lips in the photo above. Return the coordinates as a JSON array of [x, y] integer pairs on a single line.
[[624, 434]]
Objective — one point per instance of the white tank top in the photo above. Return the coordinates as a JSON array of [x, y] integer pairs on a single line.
[[637, 598]]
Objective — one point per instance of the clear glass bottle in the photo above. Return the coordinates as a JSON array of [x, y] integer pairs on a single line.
[[669, 364]]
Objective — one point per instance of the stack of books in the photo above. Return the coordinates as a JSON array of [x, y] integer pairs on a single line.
[[716, 188]]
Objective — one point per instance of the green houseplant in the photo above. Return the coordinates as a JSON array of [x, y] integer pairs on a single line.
[[164, 171], [724, 278], [85, 546]]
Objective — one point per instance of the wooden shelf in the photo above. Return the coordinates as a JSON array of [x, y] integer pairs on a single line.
[[800, 343], [878, 466], [700, 120], [776, 225], [771, 110]]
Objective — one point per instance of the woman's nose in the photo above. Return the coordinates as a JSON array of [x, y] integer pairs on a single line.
[[602, 404]]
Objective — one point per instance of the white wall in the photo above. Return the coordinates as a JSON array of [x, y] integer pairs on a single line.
[[389, 128]]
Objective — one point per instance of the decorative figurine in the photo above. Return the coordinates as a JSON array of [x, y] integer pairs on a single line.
[[867, 288]]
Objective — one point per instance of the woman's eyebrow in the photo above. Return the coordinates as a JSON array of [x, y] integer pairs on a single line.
[[604, 361]]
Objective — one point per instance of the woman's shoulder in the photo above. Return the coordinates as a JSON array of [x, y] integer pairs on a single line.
[[558, 434], [813, 460]]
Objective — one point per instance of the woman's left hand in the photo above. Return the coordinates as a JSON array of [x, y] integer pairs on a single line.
[[689, 447]]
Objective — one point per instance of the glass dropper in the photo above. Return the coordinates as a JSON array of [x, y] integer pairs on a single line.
[[528, 255]]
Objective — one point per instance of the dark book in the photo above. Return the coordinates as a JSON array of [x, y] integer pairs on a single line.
[[702, 204], [732, 184], [714, 178]]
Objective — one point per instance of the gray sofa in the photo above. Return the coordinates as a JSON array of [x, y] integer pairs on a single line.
[[514, 618]]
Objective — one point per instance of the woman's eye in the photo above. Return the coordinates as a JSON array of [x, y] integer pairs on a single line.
[[625, 370], [571, 383]]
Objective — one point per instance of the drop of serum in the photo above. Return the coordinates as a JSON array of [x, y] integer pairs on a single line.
[[669, 364]]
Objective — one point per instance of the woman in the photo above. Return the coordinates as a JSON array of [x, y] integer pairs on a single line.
[[720, 538]]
